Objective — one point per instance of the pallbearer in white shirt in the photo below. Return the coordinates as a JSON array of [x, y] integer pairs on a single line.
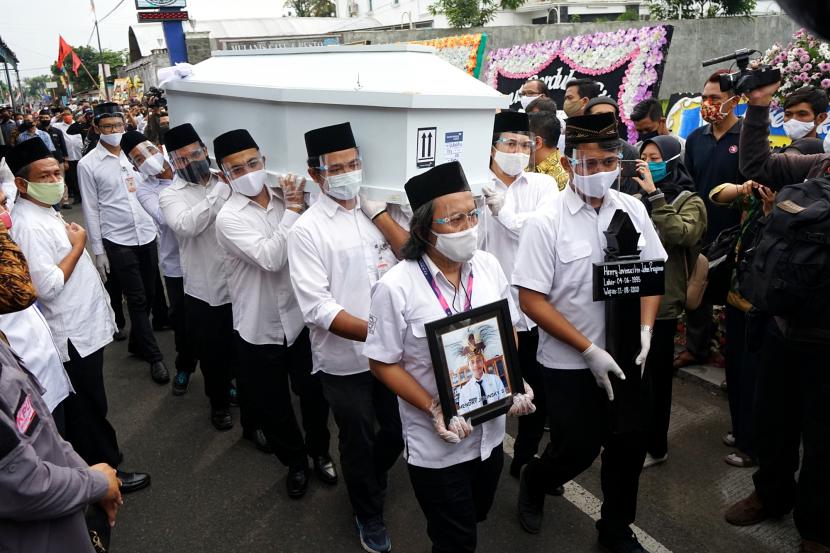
[[121, 234], [189, 207], [336, 254], [72, 300], [155, 175], [554, 274], [271, 340], [454, 469], [512, 197]]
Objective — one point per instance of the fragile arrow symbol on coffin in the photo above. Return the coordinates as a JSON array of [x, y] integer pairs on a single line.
[[429, 145], [424, 145]]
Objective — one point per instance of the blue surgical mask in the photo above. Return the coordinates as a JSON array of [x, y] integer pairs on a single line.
[[658, 170]]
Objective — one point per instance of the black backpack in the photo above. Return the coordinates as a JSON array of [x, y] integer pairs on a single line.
[[786, 272]]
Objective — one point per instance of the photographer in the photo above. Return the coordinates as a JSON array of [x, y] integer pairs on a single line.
[[793, 387]]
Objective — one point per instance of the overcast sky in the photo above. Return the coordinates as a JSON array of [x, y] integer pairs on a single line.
[[30, 28]]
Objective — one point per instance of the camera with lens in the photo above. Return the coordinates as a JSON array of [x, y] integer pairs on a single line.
[[154, 98], [745, 80]]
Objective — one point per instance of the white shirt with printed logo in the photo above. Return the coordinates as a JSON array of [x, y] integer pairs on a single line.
[[557, 250], [402, 303]]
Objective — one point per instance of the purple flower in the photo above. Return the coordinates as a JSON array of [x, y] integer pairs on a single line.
[[824, 67], [825, 83], [807, 66], [804, 77], [804, 58]]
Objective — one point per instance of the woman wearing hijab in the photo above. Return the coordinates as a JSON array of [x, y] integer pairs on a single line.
[[679, 214]]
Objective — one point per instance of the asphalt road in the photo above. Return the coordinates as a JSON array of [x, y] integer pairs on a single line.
[[213, 492]]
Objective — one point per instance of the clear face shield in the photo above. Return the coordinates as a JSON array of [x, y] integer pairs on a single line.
[[147, 158], [342, 173], [191, 163], [596, 169], [455, 226], [514, 152], [245, 172]]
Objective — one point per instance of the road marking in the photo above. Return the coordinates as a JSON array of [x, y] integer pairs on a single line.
[[589, 504]]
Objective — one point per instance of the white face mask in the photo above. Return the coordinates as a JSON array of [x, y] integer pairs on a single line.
[[113, 139], [596, 185], [527, 100], [152, 166], [345, 186], [458, 246], [796, 129], [250, 184], [512, 164]]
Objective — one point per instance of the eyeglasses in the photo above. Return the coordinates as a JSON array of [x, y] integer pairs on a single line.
[[340, 168], [236, 171], [597, 165], [529, 94], [112, 127], [182, 160], [514, 145], [456, 221]]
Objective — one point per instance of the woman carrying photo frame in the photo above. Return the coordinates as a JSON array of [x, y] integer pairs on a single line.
[[440, 320]]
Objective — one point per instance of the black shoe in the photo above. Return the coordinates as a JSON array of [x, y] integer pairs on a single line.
[[221, 419], [159, 372], [296, 483], [163, 325], [119, 335], [258, 438], [530, 509], [620, 542], [132, 481], [180, 383], [325, 469]]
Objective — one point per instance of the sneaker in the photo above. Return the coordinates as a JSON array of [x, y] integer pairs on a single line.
[[728, 439], [180, 383], [651, 461], [373, 535], [620, 543], [740, 460]]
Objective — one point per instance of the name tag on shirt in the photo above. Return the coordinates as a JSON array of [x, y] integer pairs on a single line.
[[26, 418], [129, 180]]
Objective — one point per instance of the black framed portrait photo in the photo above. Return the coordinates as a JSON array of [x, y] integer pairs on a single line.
[[475, 361]]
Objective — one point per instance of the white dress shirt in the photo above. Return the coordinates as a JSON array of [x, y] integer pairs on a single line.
[[470, 396], [255, 241], [78, 309], [529, 194], [190, 210], [336, 255], [402, 302], [74, 142], [30, 338], [108, 184], [556, 254], [149, 189]]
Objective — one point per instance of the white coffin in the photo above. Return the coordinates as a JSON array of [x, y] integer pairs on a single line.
[[408, 108]]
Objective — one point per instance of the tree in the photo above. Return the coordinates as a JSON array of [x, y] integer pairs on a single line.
[[311, 8], [471, 13], [699, 9], [90, 58], [35, 87]]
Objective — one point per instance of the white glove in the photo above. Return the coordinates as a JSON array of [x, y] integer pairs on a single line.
[[645, 345], [293, 190], [601, 363], [522, 403], [493, 199], [102, 263], [457, 430], [370, 207]]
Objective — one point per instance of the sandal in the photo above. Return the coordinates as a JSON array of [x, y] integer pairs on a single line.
[[740, 460]]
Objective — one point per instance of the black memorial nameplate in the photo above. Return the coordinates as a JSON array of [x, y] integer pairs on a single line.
[[627, 279]]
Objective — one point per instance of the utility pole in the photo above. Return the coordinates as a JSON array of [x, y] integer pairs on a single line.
[[102, 76]]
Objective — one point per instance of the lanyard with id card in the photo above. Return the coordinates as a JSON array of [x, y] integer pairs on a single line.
[[129, 180]]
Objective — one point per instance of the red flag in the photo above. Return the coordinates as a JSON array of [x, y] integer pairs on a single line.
[[63, 51], [76, 62]]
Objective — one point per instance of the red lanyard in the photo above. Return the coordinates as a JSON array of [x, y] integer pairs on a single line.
[[440, 296]]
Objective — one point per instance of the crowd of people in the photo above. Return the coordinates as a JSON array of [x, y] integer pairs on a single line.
[[274, 287]]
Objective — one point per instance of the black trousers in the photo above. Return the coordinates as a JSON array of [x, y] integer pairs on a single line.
[[136, 268], [531, 427], [792, 401], [659, 364], [578, 411], [185, 354], [454, 499], [211, 329], [370, 440], [262, 381], [85, 411], [71, 177], [699, 331], [113, 287], [161, 312], [741, 377]]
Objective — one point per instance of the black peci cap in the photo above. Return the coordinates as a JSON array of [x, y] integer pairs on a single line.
[[231, 142], [510, 121], [180, 136], [25, 153], [329, 139], [586, 129], [447, 178], [130, 140]]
